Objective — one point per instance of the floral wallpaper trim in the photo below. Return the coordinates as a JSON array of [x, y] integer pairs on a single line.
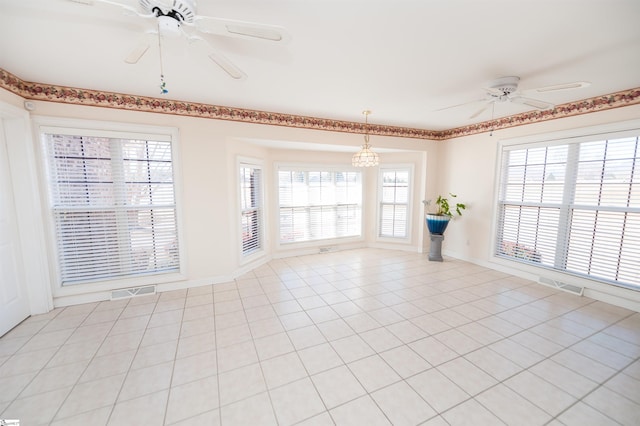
[[585, 106], [97, 98]]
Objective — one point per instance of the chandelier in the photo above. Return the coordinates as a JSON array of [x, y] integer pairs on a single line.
[[365, 157]]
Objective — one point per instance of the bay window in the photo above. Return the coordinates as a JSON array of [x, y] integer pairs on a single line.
[[317, 204]]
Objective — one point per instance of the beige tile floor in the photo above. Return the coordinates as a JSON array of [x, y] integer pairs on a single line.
[[360, 337]]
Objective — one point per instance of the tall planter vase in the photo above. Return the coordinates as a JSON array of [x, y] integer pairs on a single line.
[[436, 225]]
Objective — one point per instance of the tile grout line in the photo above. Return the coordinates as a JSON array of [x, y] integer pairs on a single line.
[[259, 362], [175, 356]]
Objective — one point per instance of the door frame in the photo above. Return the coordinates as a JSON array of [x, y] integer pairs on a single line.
[[24, 178]]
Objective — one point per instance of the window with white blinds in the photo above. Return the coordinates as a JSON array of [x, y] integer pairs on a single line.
[[251, 208], [574, 207], [113, 206], [394, 203], [317, 205]]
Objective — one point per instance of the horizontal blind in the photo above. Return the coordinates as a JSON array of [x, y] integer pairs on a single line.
[[113, 207], [394, 203], [573, 207], [251, 208], [604, 239], [531, 195], [318, 205]]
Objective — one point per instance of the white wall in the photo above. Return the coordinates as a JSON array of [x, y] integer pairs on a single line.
[[14, 124], [208, 152]]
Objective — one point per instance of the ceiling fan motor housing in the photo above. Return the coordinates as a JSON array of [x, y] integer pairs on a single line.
[[505, 85], [180, 10]]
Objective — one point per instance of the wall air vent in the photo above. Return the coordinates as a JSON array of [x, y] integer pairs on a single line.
[[124, 293], [569, 288]]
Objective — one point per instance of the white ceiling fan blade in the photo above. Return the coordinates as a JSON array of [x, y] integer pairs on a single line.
[[227, 66], [239, 29], [141, 48], [481, 110], [219, 59], [531, 102], [557, 87], [134, 56], [459, 105]]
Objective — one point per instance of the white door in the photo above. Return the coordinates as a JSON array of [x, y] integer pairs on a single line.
[[14, 305]]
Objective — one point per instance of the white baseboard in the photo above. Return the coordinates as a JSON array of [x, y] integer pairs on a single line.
[[100, 296], [614, 295], [328, 248], [400, 247], [617, 296]]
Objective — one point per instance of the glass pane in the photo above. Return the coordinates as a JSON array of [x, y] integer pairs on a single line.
[[592, 151], [130, 227], [318, 205], [536, 156], [622, 149], [517, 157]]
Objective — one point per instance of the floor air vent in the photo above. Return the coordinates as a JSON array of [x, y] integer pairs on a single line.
[[327, 249], [133, 292], [569, 288]]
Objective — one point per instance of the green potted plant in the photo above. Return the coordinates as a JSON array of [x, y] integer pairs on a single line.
[[437, 222]]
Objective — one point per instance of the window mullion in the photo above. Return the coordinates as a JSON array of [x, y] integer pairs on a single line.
[[568, 199], [120, 197]]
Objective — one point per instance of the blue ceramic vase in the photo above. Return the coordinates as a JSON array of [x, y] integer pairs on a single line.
[[437, 223]]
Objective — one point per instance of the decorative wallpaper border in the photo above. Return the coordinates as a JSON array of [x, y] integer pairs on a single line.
[[97, 98], [585, 106]]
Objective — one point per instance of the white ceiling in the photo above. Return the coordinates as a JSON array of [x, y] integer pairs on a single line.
[[402, 59]]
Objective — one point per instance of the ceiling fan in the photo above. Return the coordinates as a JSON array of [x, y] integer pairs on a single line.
[[505, 89], [177, 18]]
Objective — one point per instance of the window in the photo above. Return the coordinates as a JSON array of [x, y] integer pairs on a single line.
[[113, 206], [251, 208], [317, 205], [394, 203], [574, 207]]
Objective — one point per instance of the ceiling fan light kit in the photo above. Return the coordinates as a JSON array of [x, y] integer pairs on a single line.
[[168, 26], [365, 157]]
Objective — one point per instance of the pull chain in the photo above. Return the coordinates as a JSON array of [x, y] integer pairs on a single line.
[[163, 84]]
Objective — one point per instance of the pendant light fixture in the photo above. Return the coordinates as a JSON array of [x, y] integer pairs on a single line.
[[365, 157]]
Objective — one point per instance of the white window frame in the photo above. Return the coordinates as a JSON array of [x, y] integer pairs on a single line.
[[247, 257], [410, 189], [588, 134], [303, 167], [96, 128]]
